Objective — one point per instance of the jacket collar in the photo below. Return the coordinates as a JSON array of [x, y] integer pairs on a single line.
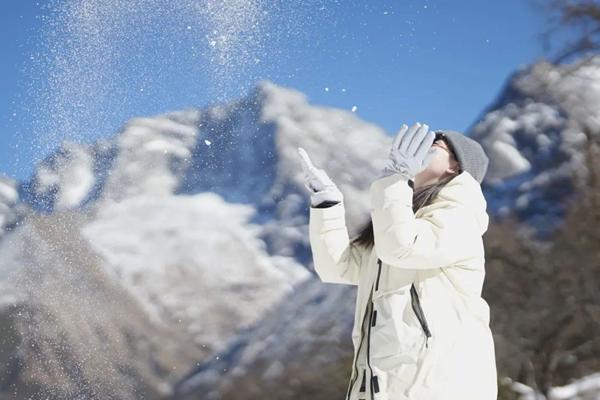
[[464, 190]]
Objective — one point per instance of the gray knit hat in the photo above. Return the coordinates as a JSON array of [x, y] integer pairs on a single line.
[[469, 153]]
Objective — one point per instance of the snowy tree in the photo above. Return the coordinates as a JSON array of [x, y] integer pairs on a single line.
[[579, 19]]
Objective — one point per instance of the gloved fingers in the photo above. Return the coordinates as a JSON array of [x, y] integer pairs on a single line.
[[314, 179], [398, 137], [425, 145], [307, 165], [417, 140], [406, 139], [317, 181]]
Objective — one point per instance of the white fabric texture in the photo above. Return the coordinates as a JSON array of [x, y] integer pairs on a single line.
[[439, 249]]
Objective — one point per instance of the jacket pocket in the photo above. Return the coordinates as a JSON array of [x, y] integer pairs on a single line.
[[396, 334], [390, 280], [417, 308]]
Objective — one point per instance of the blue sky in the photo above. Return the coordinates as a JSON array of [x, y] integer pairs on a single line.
[[438, 62]]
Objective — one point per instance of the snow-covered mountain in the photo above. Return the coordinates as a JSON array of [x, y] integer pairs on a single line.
[[185, 202], [201, 215], [195, 206], [536, 134]]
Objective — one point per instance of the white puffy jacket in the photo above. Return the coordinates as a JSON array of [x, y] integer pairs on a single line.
[[433, 344]]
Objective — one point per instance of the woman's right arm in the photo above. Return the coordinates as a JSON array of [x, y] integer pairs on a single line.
[[335, 259]]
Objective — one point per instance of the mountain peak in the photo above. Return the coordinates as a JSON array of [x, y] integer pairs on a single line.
[[535, 134]]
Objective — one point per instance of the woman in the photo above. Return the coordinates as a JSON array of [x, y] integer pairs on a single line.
[[421, 329]]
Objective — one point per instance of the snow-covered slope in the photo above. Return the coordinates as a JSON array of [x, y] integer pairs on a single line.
[[536, 134], [11, 209], [586, 388], [63, 180], [296, 348], [69, 331], [193, 261]]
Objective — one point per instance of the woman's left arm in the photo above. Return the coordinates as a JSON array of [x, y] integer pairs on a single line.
[[336, 259], [444, 237]]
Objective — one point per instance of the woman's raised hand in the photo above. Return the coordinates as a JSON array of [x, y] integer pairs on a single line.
[[410, 154], [320, 186]]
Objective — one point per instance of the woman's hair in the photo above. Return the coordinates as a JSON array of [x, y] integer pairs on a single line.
[[421, 197]]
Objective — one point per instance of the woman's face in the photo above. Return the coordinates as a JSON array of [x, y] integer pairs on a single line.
[[441, 165]]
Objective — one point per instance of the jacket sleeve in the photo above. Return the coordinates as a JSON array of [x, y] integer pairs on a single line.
[[335, 259], [443, 237]]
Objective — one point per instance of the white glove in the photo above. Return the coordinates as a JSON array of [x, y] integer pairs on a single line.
[[318, 183], [410, 152]]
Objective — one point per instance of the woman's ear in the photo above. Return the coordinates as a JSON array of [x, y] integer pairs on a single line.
[[454, 167]]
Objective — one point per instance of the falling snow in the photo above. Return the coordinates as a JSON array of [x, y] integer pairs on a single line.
[[90, 69]]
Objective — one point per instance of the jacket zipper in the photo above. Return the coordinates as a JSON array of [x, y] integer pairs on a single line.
[[378, 274], [371, 320], [416, 306], [362, 335], [373, 381]]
